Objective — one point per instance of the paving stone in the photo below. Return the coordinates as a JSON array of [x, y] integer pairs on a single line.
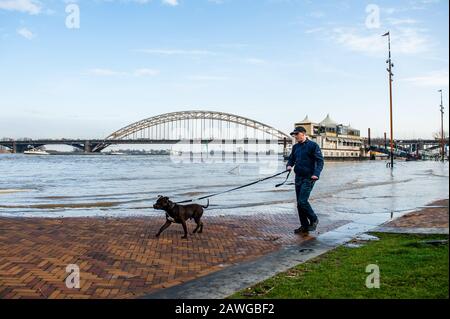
[[116, 261], [434, 215]]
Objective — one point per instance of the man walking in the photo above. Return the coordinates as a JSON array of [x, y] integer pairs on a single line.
[[308, 160]]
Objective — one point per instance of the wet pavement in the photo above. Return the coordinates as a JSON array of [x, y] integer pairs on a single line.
[[228, 281], [121, 258], [431, 219]]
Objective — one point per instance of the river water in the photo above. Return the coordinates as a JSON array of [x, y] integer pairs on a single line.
[[125, 185]]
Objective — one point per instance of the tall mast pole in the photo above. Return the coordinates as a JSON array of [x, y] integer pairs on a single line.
[[389, 69], [442, 130]]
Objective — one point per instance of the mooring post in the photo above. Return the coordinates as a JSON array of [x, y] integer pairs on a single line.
[[223, 150], [234, 151], [257, 150], [191, 150], [14, 147], [246, 149]]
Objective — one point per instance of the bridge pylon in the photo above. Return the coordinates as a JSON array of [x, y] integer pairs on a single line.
[[87, 147]]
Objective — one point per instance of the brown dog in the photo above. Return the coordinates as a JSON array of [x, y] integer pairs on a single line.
[[179, 214]]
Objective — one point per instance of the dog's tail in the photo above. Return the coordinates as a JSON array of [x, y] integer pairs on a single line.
[[207, 205]]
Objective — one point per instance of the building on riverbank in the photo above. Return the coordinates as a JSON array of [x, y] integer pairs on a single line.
[[337, 141]]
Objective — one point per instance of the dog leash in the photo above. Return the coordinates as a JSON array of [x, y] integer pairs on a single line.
[[287, 177], [240, 187]]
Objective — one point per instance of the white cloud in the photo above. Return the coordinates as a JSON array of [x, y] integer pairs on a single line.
[[232, 45], [207, 78], [124, 1], [171, 2], [436, 79], [146, 72], [396, 21], [390, 10], [104, 72], [404, 41], [176, 52], [27, 34], [27, 6], [317, 14], [112, 73], [255, 61], [314, 30], [430, 1]]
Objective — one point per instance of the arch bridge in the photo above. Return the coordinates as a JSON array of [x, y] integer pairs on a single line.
[[186, 127]]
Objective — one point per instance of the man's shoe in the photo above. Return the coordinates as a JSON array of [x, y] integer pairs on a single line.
[[301, 230], [313, 226]]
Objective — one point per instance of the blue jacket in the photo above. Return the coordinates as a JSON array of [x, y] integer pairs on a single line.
[[307, 158]]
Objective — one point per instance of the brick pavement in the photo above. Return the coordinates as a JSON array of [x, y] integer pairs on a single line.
[[120, 258], [432, 217]]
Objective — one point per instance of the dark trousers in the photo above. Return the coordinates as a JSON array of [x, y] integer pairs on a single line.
[[303, 188]]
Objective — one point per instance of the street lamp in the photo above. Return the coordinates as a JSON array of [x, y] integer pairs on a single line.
[[442, 130], [389, 69]]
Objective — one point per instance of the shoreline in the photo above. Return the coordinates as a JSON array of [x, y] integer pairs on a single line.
[[159, 214]]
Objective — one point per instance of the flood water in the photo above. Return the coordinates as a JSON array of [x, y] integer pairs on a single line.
[[125, 185]]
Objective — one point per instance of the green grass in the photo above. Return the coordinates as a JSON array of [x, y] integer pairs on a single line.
[[408, 269]]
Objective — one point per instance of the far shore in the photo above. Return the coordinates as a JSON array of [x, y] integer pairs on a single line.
[[9, 191]]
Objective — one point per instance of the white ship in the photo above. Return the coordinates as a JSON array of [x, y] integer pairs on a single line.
[[337, 141], [36, 152]]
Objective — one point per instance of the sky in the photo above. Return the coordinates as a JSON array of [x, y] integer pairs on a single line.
[[275, 61]]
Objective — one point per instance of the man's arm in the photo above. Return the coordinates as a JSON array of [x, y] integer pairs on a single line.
[[291, 159], [319, 161]]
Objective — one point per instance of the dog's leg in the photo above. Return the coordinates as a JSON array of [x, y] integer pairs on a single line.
[[196, 228], [183, 222], [167, 224], [197, 221], [201, 227]]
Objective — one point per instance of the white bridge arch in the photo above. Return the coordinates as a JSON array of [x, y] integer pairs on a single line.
[[210, 120], [197, 125]]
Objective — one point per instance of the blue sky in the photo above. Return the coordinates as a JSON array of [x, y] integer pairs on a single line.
[[271, 60]]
